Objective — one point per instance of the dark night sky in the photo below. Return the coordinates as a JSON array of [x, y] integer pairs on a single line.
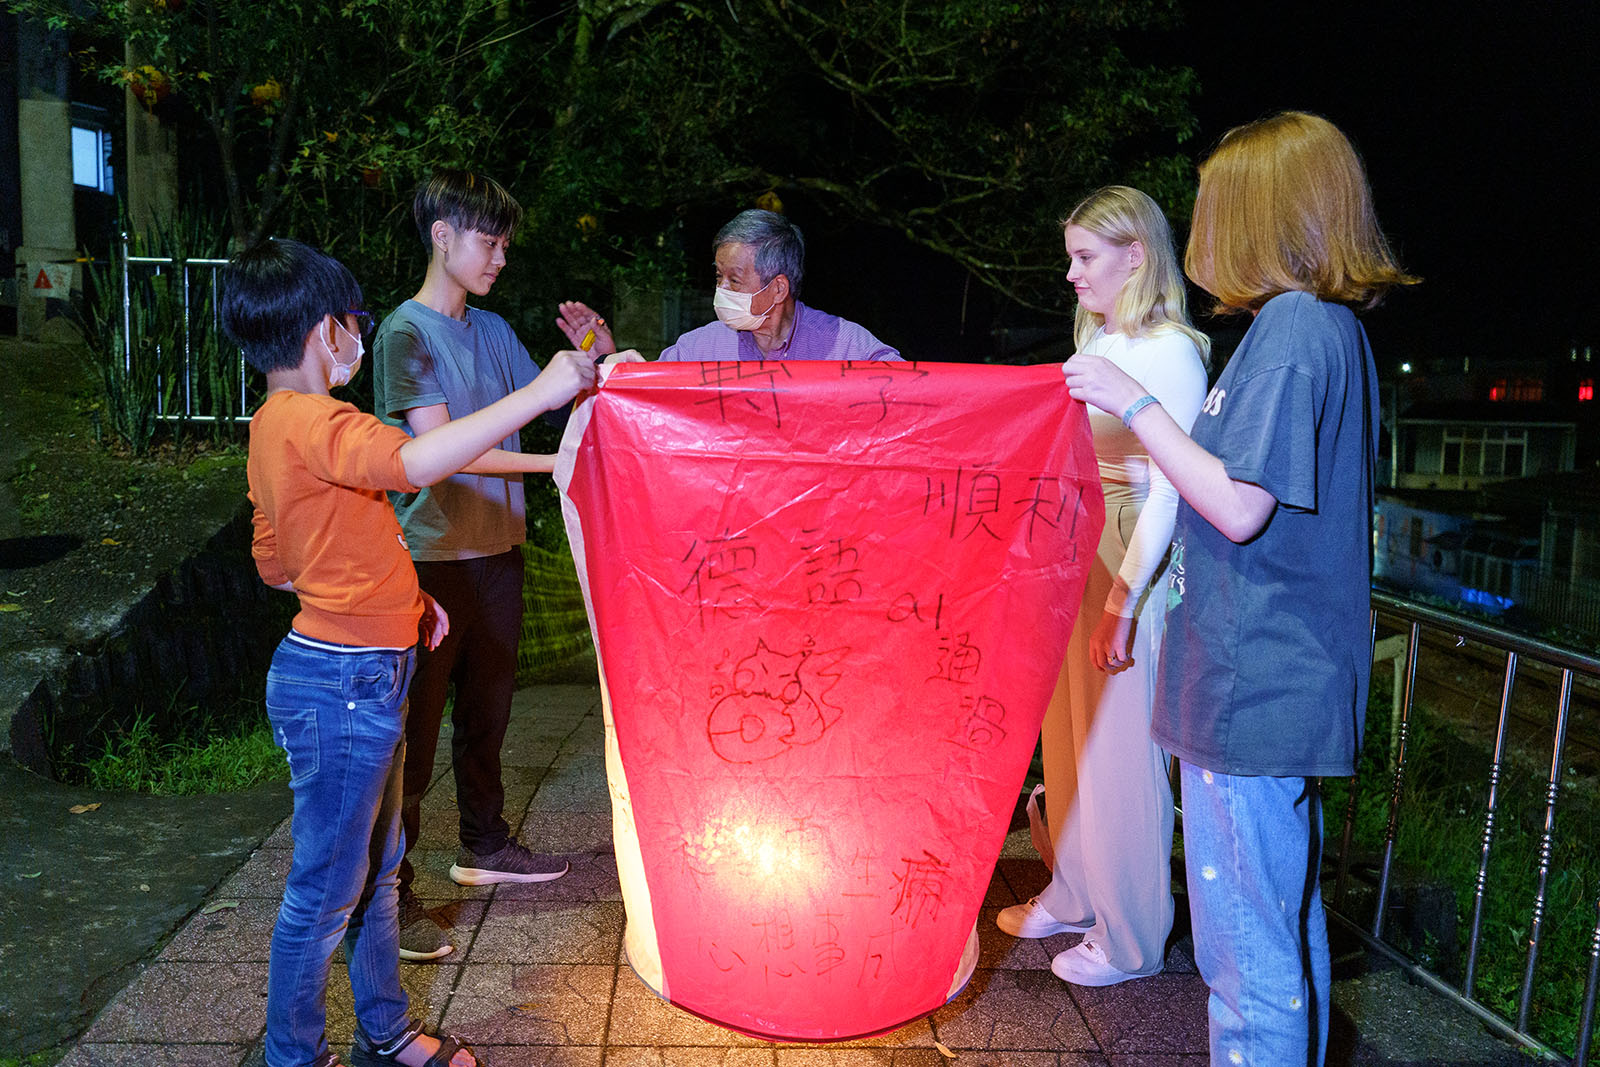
[[1480, 128]]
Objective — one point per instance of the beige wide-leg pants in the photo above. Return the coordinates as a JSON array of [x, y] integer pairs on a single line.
[[1107, 796]]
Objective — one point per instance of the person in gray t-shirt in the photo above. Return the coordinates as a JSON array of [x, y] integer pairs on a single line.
[[1263, 676], [436, 359]]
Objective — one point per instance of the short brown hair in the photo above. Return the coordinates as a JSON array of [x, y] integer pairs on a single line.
[[1284, 204]]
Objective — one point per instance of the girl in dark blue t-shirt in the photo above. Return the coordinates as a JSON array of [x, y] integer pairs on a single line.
[[1263, 676]]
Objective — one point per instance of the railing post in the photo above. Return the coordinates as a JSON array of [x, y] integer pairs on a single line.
[[1398, 791], [1479, 894], [1536, 926], [216, 331], [1342, 879], [1580, 1054], [1586, 1016], [161, 381], [127, 311], [188, 363]]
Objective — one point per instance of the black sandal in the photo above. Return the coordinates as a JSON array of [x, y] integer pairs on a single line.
[[364, 1053]]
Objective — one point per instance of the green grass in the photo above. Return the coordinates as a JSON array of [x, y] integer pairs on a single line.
[[138, 759], [34, 1059], [1440, 840]]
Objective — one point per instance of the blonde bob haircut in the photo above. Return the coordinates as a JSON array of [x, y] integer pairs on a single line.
[[1152, 298], [1284, 204]]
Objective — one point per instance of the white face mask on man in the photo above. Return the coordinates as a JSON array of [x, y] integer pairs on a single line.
[[341, 373], [733, 308]]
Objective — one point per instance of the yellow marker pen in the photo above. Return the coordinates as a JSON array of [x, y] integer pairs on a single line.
[[588, 338]]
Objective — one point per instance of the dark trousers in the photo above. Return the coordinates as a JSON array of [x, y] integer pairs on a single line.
[[483, 598]]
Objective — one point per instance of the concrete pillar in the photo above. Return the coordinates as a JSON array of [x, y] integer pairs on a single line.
[[152, 166], [44, 143]]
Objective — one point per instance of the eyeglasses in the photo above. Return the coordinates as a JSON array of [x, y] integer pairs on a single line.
[[363, 321]]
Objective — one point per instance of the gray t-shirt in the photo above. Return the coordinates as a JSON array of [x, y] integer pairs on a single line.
[[1267, 653], [422, 357]]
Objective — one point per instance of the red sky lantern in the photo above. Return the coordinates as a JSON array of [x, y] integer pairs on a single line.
[[830, 602]]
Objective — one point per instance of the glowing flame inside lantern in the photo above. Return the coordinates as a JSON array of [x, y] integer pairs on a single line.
[[821, 597], [761, 850]]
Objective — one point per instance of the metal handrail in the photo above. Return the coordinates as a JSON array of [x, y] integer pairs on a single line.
[[1517, 648], [161, 262]]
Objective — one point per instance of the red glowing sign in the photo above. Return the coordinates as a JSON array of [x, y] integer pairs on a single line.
[[830, 602]]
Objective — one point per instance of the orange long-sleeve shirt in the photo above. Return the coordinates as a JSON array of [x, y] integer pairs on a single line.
[[318, 469]]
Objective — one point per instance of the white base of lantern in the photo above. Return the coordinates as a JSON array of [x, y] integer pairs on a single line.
[[639, 938], [969, 960], [647, 965]]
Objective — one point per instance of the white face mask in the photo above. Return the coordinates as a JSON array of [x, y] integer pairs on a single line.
[[733, 309], [343, 372]]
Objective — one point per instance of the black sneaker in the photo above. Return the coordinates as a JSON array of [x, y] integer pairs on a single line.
[[514, 863], [421, 937]]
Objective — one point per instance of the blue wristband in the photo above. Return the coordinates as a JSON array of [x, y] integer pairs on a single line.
[[1136, 407]]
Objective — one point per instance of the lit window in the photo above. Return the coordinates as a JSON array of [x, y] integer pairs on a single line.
[[1586, 389], [1526, 390], [91, 158]]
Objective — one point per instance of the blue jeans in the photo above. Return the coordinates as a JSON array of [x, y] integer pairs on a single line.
[[1252, 848], [340, 717]]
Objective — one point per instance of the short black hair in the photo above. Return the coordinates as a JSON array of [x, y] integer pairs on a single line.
[[467, 201], [275, 293]]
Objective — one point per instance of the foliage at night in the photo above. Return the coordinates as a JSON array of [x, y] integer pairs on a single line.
[[966, 128]]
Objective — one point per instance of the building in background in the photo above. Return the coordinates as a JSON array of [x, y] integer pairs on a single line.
[[1493, 499], [75, 151]]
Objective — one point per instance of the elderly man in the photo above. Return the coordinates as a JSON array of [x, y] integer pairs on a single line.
[[760, 262]]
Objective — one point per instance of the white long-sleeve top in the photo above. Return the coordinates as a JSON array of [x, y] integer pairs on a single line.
[[1168, 365]]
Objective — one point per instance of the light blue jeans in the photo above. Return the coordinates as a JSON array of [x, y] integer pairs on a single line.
[[1252, 848], [340, 717]]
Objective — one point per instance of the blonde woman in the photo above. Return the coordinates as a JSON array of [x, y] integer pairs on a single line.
[[1263, 679], [1106, 786]]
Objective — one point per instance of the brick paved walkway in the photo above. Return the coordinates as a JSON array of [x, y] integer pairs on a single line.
[[538, 978]]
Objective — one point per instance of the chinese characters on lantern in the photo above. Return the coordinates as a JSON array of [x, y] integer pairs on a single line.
[[830, 601]]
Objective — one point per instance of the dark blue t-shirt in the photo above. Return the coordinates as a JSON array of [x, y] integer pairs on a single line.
[[1267, 652]]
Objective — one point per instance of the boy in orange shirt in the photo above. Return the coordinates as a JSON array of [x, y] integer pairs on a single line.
[[318, 470]]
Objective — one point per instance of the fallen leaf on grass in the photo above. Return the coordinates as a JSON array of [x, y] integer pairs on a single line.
[[79, 809], [10, 607], [109, 541], [143, 888], [35, 874], [218, 905]]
